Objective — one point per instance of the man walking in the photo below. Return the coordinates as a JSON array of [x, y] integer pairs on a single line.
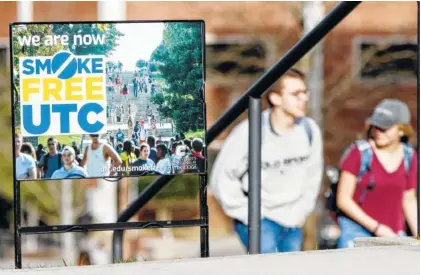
[[97, 158], [51, 161], [25, 164], [292, 164]]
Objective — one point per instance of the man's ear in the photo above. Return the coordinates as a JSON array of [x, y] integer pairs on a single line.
[[275, 98]]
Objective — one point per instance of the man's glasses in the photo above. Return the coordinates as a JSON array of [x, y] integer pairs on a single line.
[[298, 93], [67, 154], [51, 144]]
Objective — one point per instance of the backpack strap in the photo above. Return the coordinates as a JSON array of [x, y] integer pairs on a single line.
[[45, 166], [308, 130], [407, 157], [366, 156]]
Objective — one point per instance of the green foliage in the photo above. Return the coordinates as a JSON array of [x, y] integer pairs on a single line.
[[160, 53], [185, 186], [180, 60], [153, 67], [141, 63]]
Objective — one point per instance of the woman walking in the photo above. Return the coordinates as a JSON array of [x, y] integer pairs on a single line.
[[377, 186]]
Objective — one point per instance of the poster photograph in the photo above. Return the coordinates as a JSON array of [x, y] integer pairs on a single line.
[[100, 100]]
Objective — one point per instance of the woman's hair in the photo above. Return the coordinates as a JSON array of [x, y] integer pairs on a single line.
[[128, 146], [137, 151], [143, 145], [27, 147], [84, 259], [408, 131], [77, 152]]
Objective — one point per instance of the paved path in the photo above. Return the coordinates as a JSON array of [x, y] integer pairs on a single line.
[[392, 260]]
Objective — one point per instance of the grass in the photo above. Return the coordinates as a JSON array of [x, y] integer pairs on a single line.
[[67, 140], [195, 134]]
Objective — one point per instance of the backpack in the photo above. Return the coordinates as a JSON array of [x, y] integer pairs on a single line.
[[45, 163], [307, 127], [366, 157]]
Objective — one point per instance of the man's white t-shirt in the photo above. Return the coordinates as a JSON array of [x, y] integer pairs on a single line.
[[24, 163], [143, 134]]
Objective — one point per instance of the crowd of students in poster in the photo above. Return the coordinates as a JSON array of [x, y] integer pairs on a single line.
[[376, 192], [111, 158]]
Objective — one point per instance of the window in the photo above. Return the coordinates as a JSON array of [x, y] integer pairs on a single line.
[[233, 59], [389, 60]]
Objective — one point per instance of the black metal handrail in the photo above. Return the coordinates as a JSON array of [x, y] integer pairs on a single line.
[[303, 46]]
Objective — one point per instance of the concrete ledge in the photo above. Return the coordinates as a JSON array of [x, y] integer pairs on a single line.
[[386, 241], [386, 260]]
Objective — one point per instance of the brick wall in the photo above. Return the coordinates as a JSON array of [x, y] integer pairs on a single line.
[[65, 11], [8, 14], [347, 102]]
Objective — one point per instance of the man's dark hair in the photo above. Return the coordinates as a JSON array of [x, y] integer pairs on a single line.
[[51, 139], [293, 72], [151, 141], [197, 145], [163, 148], [188, 143], [174, 145]]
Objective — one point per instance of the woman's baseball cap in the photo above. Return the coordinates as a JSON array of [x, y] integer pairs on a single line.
[[389, 112]]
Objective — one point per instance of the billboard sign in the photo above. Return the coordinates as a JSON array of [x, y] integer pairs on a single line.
[[108, 99]]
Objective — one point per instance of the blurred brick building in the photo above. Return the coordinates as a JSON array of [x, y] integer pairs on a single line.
[[371, 55]]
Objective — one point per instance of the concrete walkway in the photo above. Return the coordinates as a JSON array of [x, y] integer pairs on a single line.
[[373, 260]]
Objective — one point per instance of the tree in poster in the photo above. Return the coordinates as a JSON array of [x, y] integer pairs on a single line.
[[180, 62], [141, 63], [97, 30]]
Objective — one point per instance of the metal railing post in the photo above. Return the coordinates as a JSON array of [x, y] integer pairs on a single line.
[[117, 245], [418, 136], [204, 216], [255, 155], [17, 221]]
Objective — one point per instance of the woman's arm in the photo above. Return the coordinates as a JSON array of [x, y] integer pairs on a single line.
[[345, 202], [410, 209]]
